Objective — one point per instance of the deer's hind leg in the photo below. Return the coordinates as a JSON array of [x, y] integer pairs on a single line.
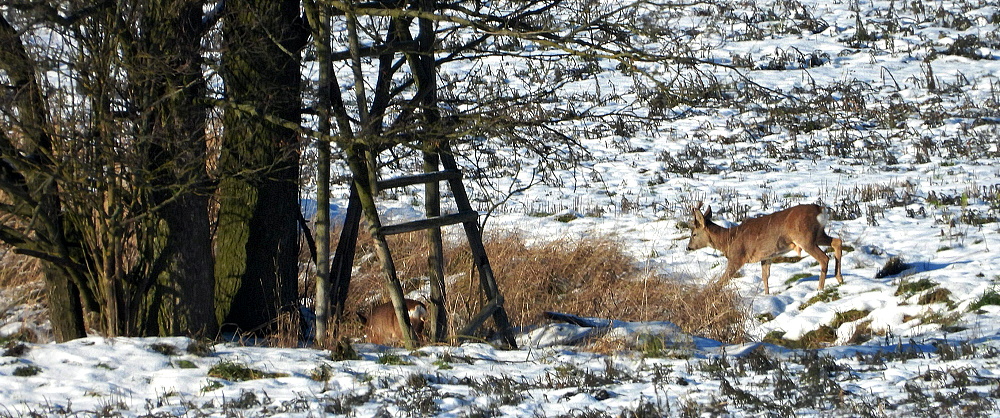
[[838, 252], [820, 256]]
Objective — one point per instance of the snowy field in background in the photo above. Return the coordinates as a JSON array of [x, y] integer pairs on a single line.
[[923, 188]]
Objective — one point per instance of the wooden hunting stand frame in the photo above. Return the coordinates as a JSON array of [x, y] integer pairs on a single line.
[[364, 190]]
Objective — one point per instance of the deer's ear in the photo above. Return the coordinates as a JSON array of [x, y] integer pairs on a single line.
[[708, 214], [699, 219]]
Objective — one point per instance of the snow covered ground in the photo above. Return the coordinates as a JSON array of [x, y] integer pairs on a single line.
[[898, 132]]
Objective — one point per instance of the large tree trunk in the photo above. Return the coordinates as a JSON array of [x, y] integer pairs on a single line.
[[27, 177], [169, 72], [65, 308], [257, 239]]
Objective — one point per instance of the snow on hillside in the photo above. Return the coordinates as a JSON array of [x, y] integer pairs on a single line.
[[898, 131]]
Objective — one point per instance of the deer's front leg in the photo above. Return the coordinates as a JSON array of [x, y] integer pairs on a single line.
[[731, 269], [765, 271]]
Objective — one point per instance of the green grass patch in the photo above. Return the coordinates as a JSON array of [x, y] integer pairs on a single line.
[[390, 359], [236, 372], [841, 318], [213, 385], [990, 297], [566, 217], [654, 346], [947, 320], [775, 337], [829, 294], [939, 295], [825, 334], [817, 338], [795, 278], [186, 364], [909, 288]]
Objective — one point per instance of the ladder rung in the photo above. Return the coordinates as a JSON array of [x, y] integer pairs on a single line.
[[419, 178], [437, 221]]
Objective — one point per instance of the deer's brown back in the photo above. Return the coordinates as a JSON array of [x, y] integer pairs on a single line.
[[771, 235], [383, 328]]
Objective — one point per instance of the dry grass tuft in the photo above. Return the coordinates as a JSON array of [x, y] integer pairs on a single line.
[[594, 277], [20, 272], [22, 296], [609, 346], [705, 310], [288, 328], [21, 280], [563, 275]]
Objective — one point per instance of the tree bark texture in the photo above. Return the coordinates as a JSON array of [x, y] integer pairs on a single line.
[[169, 74], [257, 238]]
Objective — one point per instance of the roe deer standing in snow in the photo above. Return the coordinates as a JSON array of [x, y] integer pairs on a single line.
[[382, 327], [766, 237]]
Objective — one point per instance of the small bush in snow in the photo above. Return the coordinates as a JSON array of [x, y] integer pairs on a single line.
[[236, 372], [26, 371]]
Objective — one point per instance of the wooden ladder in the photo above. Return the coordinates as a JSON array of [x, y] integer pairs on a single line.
[[466, 215]]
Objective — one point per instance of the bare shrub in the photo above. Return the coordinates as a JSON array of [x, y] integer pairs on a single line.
[[595, 277]]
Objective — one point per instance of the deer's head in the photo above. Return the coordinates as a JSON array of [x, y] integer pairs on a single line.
[[699, 232]]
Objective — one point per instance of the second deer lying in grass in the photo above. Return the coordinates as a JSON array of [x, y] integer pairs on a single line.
[[766, 237], [382, 327]]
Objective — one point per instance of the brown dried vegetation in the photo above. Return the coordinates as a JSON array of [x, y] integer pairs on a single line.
[[593, 276]]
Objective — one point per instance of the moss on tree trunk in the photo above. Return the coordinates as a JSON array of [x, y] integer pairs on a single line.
[[257, 240]]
